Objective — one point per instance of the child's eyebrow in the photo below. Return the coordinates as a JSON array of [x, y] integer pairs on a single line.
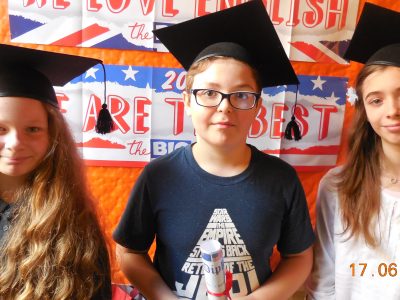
[[31, 122], [213, 85]]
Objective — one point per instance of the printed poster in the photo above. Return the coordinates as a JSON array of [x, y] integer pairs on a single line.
[[314, 31], [147, 107]]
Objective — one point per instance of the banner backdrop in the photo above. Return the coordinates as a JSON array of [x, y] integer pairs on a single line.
[[316, 31], [147, 107], [111, 186]]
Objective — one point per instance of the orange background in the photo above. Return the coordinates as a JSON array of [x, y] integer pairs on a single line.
[[111, 185]]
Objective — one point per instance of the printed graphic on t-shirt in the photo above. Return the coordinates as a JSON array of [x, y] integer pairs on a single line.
[[236, 259]]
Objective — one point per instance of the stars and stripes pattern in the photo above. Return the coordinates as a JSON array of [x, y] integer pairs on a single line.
[[322, 100]]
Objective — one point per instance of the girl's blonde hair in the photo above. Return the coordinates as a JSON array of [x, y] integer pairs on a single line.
[[55, 248], [359, 183]]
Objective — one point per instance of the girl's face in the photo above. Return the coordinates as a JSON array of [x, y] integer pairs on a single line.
[[222, 126], [24, 135], [381, 96]]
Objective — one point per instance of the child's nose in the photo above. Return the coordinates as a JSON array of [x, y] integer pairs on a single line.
[[394, 107], [224, 105], [12, 139]]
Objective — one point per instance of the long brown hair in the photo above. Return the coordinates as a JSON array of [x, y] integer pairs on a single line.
[[359, 183], [55, 247]]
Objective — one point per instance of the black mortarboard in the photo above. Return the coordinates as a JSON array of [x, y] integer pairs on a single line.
[[376, 39], [32, 73], [244, 32]]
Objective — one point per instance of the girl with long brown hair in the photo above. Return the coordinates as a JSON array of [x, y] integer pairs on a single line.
[[358, 212], [51, 244]]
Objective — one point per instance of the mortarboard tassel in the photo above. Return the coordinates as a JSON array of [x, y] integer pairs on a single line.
[[104, 122], [292, 127]]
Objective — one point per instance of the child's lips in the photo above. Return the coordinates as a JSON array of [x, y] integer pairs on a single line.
[[224, 124], [393, 127], [16, 160]]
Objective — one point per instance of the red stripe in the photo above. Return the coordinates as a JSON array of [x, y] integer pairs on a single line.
[[315, 150], [313, 168], [109, 163], [141, 164], [137, 164], [312, 52], [81, 36]]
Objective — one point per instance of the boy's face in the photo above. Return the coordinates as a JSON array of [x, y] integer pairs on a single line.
[[222, 126]]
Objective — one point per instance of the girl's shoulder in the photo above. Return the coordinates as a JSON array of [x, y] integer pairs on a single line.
[[331, 178], [327, 196]]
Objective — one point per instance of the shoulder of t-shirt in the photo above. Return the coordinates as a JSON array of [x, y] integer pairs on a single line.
[[166, 160], [272, 162]]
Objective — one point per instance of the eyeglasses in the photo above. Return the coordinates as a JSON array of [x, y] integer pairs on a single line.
[[238, 100]]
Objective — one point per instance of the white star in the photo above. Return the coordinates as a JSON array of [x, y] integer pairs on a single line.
[[91, 73], [318, 83], [148, 90], [130, 74], [351, 96], [332, 97]]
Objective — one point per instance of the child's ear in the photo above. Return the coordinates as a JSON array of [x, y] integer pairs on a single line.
[[186, 100]]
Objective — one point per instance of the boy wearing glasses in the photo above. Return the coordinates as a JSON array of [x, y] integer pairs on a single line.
[[220, 187]]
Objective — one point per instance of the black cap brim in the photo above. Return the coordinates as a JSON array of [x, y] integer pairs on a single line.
[[246, 25], [376, 39]]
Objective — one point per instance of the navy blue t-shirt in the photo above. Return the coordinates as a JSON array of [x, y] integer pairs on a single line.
[[181, 205]]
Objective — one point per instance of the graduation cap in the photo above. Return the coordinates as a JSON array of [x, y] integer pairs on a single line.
[[376, 39], [32, 73], [243, 32]]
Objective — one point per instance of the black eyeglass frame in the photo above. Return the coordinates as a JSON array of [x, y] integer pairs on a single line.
[[227, 96]]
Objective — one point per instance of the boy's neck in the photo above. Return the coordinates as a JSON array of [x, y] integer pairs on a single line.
[[222, 162]]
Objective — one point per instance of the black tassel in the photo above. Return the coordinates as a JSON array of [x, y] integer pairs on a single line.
[[104, 122], [293, 127]]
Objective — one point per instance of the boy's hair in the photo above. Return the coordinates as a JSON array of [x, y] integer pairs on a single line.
[[203, 64], [359, 182], [55, 245]]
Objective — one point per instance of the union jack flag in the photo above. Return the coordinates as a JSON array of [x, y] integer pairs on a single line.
[[77, 25]]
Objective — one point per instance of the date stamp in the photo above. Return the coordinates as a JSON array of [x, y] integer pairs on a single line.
[[382, 269]]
